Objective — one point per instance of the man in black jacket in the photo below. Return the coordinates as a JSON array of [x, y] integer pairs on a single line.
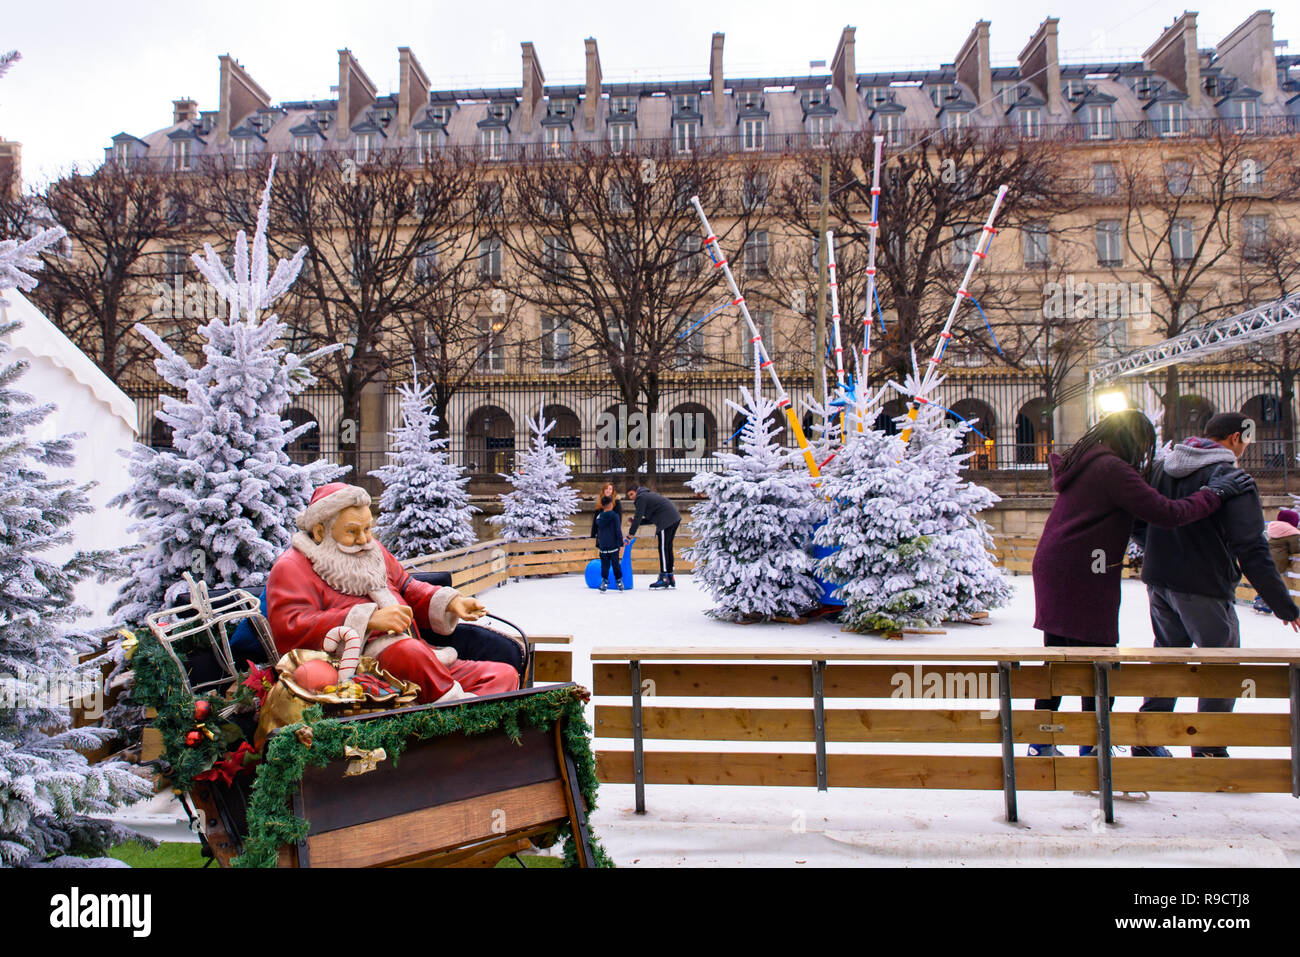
[[654, 509], [1191, 573]]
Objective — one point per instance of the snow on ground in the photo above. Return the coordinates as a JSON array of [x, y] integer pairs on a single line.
[[692, 825]]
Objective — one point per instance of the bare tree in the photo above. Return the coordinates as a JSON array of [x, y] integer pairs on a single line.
[[610, 249]]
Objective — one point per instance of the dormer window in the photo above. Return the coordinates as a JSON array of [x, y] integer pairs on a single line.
[[492, 140], [890, 125], [1073, 89], [557, 140], [1099, 121], [560, 107], [1030, 122], [240, 148], [751, 133], [941, 93], [498, 111], [366, 146], [622, 106], [686, 135], [122, 153], [686, 103], [440, 114], [426, 143], [1006, 92], [620, 137], [1243, 115], [182, 154], [820, 129], [875, 95], [955, 121], [1168, 118], [750, 100]]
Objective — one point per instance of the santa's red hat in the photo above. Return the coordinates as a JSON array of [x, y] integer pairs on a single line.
[[328, 500]]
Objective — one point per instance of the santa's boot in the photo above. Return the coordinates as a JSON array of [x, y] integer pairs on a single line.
[[661, 581]]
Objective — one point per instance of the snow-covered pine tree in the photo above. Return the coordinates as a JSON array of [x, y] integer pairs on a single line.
[[52, 802], [884, 565], [425, 506], [542, 503], [220, 505], [961, 539], [753, 531]]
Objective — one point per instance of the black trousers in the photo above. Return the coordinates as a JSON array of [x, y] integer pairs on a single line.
[[606, 560], [1054, 703], [665, 536]]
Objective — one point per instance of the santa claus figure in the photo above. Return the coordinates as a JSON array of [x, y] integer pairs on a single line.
[[338, 590]]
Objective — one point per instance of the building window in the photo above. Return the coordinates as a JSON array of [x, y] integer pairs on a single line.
[[752, 134], [1254, 235], [941, 93], [1178, 177], [425, 145], [426, 262], [1109, 249], [690, 348], [557, 140], [182, 154], [176, 260], [954, 121], [819, 130], [689, 248], [1031, 123], [489, 258], [1036, 244], [890, 126], [620, 137], [122, 153], [1104, 180], [685, 103], [240, 148], [440, 114], [686, 136], [303, 144], [492, 140], [1112, 337], [964, 239], [491, 199], [1101, 126], [754, 191], [1169, 119], [491, 345], [1245, 116], [555, 344], [364, 148], [621, 105], [1182, 240], [1006, 92], [620, 198], [555, 254], [757, 252]]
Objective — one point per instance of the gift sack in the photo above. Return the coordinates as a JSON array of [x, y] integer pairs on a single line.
[[287, 700]]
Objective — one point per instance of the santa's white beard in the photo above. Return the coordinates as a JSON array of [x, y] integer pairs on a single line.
[[349, 569]]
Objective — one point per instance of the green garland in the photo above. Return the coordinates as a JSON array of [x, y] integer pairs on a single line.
[[271, 823]]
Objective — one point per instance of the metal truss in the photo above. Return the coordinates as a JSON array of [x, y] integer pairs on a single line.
[[1195, 345]]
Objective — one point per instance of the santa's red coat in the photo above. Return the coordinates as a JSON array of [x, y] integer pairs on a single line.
[[302, 609]]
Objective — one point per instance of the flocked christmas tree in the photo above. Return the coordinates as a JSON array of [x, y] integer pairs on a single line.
[[53, 803], [753, 531], [542, 504], [961, 538], [220, 505], [425, 506]]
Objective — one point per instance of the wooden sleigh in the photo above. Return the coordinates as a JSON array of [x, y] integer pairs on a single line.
[[458, 799]]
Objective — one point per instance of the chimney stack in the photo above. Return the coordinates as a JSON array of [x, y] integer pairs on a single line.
[[356, 93], [844, 74], [1175, 56], [534, 86], [1041, 67], [594, 77], [716, 81], [1247, 53], [240, 96], [413, 89], [973, 67], [184, 111]]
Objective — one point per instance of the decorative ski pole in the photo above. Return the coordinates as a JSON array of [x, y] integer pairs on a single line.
[[756, 338], [835, 323], [932, 370], [873, 229]]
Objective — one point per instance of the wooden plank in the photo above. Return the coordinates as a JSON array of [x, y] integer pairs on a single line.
[[553, 666], [551, 639], [554, 558], [763, 769], [436, 828], [796, 724], [780, 680], [1246, 775], [1176, 680], [481, 585], [479, 574], [1174, 729], [151, 744], [556, 568]]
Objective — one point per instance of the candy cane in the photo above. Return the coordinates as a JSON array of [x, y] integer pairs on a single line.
[[782, 398]]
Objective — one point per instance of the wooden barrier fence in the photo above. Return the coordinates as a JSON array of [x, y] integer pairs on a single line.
[[639, 675]]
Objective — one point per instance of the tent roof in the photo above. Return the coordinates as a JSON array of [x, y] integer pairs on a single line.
[[37, 337]]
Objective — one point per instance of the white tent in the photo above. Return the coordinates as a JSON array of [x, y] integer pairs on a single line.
[[86, 401]]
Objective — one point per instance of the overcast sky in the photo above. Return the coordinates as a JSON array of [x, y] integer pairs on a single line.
[[90, 70]]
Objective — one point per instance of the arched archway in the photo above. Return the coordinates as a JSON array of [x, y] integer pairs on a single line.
[[690, 433], [1034, 432], [1267, 449], [490, 440], [981, 438], [306, 447], [1188, 418], [566, 435]]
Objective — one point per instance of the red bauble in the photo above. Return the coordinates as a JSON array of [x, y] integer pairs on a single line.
[[315, 674], [202, 710], [192, 738]]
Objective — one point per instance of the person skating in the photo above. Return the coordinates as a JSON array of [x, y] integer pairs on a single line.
[[654, 509], [1283, 541], [609, 540], [1101, 486], [607, 489], [1192, 572]]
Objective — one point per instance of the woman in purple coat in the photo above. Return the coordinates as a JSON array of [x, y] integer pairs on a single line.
[[1101, 486]]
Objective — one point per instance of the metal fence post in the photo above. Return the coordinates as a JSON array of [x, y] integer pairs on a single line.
[[1008, 738], [1102, 672], [819, 722], [638, 738]]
